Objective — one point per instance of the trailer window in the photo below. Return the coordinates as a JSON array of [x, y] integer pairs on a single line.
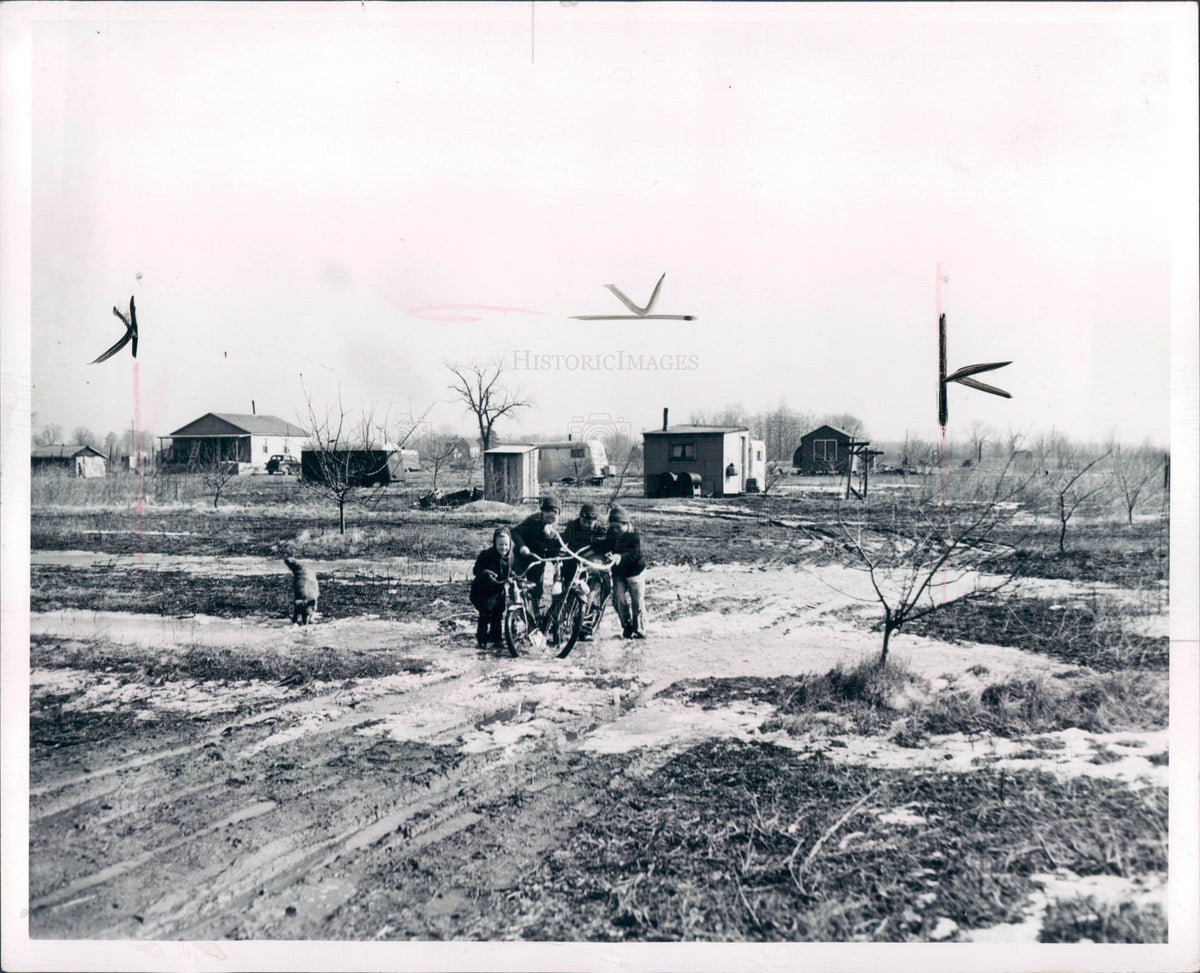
[[825, 449], [682, 451]]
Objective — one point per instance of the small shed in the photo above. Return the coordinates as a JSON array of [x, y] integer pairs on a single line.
[[719, 455], [72, 460], [824, 450], [510, 472], [578, 459], [247, 440]]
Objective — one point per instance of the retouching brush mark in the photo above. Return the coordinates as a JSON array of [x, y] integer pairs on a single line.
[[131, 334], [639, 313], [961, 376]]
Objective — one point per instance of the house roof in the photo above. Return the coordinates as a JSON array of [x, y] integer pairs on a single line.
[[62, 451], [695, 430], [238, 423], [827, 429], [512, 448]]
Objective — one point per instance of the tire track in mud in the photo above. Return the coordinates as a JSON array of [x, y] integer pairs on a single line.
[[187, 884]]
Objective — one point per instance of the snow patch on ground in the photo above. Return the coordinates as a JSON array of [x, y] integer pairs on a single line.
[[959, 753]]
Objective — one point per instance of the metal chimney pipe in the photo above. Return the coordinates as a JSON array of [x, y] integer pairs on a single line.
[[664, 420], [252, 412]]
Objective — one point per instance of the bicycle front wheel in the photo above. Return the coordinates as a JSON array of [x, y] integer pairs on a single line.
[[516, 631], [570, 624]]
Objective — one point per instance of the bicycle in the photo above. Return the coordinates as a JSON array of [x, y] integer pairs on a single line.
[[563, 621], [578, 607]]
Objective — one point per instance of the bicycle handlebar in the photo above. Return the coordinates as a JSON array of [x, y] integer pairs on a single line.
[[571, 555]]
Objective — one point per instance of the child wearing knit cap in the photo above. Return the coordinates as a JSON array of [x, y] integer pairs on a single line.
[[624, 547], [582, 535], [537, 536]]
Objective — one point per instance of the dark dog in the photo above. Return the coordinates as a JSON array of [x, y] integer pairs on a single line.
[[304, 591]]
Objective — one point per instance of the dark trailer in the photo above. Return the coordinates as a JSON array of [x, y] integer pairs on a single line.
[[352, 467]]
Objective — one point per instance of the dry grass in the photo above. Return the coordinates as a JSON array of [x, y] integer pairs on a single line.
[[1083, 919], [749, 842], [1098, 632]]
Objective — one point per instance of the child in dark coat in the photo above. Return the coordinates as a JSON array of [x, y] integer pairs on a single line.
[[492, 569], [629, 584]]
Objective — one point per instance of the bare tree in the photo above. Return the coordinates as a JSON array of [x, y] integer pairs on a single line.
[[912, 545], [775, 473], [479, 388], [110, 448], [633, 459], [83, 436], [438, 450], [215, 474], [49, 435], [1067, 483], [916, 454], [979, 437], [349, 453], [1134, 472], [846, 423]]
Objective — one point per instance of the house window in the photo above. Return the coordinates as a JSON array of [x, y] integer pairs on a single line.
[[578, 452], [758, 455], [682, 451], [825, 450]]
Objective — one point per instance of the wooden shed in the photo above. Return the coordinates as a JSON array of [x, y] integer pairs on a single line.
[[720, 456], [72, 460], [228, 437], [825, 450], [510, 472]]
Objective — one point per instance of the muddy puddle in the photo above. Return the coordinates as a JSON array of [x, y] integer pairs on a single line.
[[364, 750], [400, 568]]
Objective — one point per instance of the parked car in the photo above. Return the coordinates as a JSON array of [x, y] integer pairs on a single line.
[[283, 464]]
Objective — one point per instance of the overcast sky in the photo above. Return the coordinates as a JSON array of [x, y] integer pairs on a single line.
[[287, 190]]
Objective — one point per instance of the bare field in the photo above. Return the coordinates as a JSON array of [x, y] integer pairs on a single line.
[[203, 769]]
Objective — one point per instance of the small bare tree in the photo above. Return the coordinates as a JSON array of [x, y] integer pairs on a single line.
[[633, 460], [979, 438], [923, 554], [1135, 473], [479, 388], [917, 455], [1067, 482], [438, 450], [349, 454], [215, 474]]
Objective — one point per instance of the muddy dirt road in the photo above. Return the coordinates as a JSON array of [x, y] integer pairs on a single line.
[[372, 778]]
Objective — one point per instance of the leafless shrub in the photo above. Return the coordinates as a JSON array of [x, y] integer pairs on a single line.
[[923, 552], [1070, 480], [1134, 473], [349, 456]]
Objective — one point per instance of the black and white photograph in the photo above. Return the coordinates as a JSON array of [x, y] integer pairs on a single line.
[[600, 486]]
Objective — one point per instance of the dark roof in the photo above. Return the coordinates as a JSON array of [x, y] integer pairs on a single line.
[[695, 430], [826, 429], [238, 423], [63, 451]]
